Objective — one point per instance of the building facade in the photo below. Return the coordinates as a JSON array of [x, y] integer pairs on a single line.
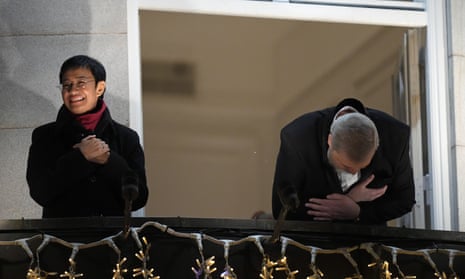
[[37, 36]]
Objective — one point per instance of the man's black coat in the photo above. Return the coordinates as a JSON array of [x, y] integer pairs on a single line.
[[303, 166]]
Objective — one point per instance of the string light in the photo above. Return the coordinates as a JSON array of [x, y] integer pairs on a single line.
[[228, 273], [283, 266], [317, 274], [36, 273], [143, 256], [386, 274], [205, 267], [71, 274], [119, 271], [267, 268], [33, 274]]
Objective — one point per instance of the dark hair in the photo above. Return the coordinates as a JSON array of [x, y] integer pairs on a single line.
[[84, 61]]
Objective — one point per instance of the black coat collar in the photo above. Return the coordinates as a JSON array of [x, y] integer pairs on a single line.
[[68, 127]]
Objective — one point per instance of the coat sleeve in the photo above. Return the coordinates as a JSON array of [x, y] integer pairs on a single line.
[[130, 157], [400, 195], [288, 177], [49, 170]]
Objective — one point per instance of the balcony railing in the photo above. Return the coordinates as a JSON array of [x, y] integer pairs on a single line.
[[223, 248]]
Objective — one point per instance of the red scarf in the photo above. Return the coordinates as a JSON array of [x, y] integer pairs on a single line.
[[90, 120]]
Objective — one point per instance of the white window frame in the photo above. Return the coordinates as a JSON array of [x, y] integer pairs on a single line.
[[429, 13]]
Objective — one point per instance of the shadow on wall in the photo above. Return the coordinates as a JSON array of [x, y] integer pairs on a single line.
[[21, 108], [35, 38]]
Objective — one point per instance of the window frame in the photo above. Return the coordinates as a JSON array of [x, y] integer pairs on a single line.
[[372, 12]]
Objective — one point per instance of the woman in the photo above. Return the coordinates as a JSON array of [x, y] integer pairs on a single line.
[[76, 164]]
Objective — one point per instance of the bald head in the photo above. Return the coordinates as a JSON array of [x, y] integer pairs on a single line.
[[355, 135]]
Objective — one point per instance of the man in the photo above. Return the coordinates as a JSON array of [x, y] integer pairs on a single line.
[[345, 163], [77, 163]]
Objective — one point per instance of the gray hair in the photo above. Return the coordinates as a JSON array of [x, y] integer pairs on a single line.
[[355, 135]]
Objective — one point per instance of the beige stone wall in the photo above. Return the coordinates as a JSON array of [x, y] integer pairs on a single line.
[[35, 38], [456, 62]]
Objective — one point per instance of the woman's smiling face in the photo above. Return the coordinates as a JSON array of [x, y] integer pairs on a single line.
[[79, 91]]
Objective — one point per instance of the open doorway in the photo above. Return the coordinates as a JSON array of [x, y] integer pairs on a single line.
[[217, 90]]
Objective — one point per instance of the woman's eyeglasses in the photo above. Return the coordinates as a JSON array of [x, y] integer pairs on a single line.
[[68, 87]]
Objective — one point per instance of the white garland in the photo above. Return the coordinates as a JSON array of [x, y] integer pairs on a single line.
[[205, 267]]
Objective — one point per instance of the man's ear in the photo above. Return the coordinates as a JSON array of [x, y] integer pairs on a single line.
[[101, 85], [329, 140]]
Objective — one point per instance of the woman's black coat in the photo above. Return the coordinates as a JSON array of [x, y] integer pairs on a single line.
[[65, 184]]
